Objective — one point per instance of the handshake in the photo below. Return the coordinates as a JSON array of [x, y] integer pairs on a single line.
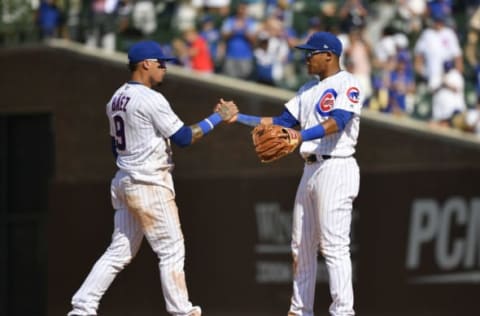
[[271, 142], [227, 110]]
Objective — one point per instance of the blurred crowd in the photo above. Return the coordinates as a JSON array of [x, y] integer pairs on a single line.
[[415, 58]]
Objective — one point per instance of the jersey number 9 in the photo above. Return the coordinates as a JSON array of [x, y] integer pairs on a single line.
[[119, 133]]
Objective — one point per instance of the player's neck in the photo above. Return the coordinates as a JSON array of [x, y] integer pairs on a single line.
[[329, 73], [138, 78]]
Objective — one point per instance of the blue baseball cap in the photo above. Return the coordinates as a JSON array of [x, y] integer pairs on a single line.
[[324, 42], [146, 50], [438, 15]]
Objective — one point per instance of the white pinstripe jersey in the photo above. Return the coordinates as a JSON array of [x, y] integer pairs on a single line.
[[141, 120], [313, 104]]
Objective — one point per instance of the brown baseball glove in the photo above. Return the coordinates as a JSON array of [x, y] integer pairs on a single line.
[[272, 142]]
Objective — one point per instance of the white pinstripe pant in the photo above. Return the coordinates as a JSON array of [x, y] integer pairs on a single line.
[[141, 210], [321, 221]]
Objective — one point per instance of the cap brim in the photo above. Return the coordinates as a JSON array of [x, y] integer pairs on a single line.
[[168, 58], [305, 47]]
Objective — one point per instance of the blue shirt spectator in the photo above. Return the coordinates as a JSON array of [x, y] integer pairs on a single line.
[[401, 83], [239, 31], [238, 44], [48, 19]]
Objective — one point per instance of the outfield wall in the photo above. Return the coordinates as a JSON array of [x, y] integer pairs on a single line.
[[416, 230]]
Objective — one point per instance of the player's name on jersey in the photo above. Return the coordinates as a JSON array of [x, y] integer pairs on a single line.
[[119, 103]]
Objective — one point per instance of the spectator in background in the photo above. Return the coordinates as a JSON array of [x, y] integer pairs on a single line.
[[472, 119], [392, 63], [401, 85], [215, 7], [471, 48], [471, 52], [212, 35], [471, 6], [411, 13], [314, 25], [329, 15], [289, 34], [264, 72], [448, 99], [239, 32], [198, 52], [73, 20], [180, 50], [436, 45], [443, 7], [282, 9], [352, 14], [271, 53], [402, 47], [102, 27], [255, 9], [185, 15], [358, 55], [144, 16], [384, 50], [49, 19], [379, 98]]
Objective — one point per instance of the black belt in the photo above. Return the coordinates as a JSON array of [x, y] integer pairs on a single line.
[[314, 158]]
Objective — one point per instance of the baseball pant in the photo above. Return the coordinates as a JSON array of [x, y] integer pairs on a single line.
[[141, 210], [321, 221]]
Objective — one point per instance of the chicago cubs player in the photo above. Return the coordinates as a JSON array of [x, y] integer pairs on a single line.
[[142, 124], [328, 112]]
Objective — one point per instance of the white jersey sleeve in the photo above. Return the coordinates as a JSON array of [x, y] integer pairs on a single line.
[[162, 115]]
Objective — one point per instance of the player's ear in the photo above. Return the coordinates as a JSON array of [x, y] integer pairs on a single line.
[[329, 56], [145, 64]]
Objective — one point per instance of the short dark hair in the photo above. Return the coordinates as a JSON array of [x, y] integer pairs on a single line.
[[132, 66]]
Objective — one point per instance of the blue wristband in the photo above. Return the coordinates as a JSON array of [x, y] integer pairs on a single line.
[[210, 122], [248, 119], [313, 133], [215, 118]]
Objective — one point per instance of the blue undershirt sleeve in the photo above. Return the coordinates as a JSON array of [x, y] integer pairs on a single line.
[[313, 132], [182, 137], [285, 119], [250, 120], [341, 117]]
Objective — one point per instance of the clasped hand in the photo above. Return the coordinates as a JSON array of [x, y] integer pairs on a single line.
[[228, 110]]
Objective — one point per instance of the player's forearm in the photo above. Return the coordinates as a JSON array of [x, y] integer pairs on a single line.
[[188, 135], [336, 123], [205, 126], [319, 131]]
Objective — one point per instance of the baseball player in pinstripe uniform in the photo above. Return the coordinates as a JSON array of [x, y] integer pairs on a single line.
[[328, 112], [142, 124]]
